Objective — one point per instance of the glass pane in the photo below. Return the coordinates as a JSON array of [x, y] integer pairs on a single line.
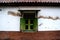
[[26, 27], [31, 26], [31, 21], [26, 21]]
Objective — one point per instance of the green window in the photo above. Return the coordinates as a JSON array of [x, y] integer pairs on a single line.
[[28, 25], [28, 20]]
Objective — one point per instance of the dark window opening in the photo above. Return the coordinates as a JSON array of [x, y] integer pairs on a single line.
[[31, 26], [26, 21], [29, 15], [26, 27], [31, 21]]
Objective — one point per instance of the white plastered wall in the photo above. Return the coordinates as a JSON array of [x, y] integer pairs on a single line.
[[9, 22], [12, 23]]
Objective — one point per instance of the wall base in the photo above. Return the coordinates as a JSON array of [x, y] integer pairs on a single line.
[[42, 35]]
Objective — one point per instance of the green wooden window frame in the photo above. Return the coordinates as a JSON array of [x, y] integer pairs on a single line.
[[28, 15], [28, 25]]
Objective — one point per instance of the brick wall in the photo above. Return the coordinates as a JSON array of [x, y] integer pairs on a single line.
[[48, 35]]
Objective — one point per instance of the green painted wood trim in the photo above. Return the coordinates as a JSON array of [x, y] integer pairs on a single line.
[[35, 25], [22, 23]]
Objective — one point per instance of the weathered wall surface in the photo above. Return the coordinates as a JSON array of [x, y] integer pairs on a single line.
[[12, 23], [43, 35]]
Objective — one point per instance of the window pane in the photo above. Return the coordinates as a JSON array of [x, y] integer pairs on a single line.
[[31, 21], [26, 21], [26, 27], [31, 26]]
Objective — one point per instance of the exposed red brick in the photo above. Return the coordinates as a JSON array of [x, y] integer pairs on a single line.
[[48, 35]]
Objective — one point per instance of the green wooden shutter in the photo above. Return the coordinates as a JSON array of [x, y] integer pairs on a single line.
[[35, 24], [22, 24]]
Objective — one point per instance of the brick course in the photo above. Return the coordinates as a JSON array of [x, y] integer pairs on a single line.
[[42, 35]]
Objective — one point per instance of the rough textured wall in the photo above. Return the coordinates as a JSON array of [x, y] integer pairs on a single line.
[[42, 35]]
